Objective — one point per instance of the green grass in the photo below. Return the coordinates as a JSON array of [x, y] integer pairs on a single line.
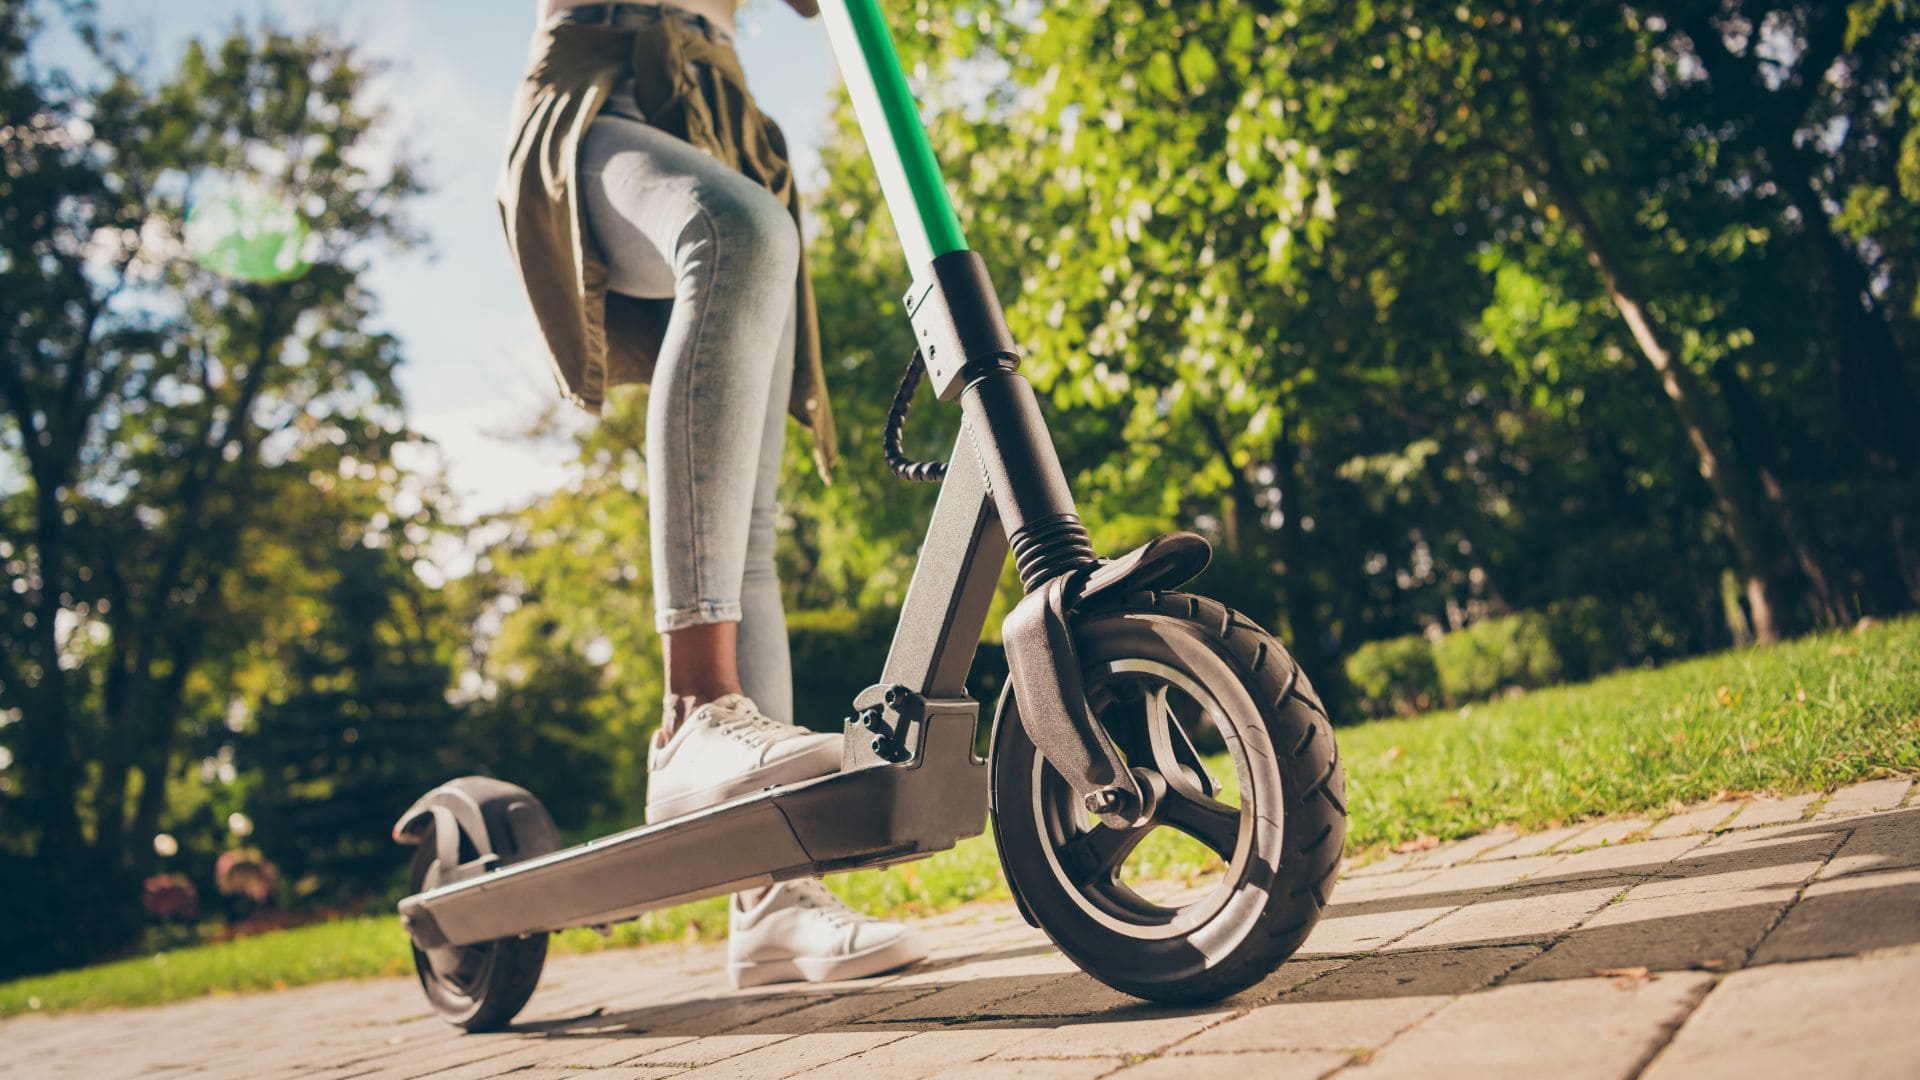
[[1808, 715], [348, 948]]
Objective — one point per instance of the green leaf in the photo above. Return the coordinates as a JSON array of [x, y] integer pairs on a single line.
[[1197, 66]]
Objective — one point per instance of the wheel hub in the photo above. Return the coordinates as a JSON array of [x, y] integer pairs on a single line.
[[1131, 697]]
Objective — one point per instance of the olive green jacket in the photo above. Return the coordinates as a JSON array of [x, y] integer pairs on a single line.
[[688, 86]]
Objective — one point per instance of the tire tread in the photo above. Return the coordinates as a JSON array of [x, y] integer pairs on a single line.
[[1313, 795]]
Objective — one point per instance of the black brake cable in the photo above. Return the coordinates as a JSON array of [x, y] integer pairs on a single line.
[[903, 466]]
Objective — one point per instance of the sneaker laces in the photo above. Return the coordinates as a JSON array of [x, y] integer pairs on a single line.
[[750, 727], [818, 898]]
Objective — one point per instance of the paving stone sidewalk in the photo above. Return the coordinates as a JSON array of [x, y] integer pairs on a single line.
[[1760, 938]]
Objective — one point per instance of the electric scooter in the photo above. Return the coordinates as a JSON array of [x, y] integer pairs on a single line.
[[1115, 681]]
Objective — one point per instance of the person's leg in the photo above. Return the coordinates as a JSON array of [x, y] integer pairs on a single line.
[[765, 663], [751, 657], [702, 664], [671, 220], [765, 658]]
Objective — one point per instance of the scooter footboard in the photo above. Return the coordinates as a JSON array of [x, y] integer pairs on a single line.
[[870, 816]]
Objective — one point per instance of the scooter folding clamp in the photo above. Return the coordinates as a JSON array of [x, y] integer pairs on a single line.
[[1044, 669], [893, 721]]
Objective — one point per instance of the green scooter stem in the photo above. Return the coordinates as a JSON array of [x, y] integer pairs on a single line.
[[909, 174], [969, 354]]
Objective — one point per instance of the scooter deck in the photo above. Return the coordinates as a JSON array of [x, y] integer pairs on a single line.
[[869, 816]]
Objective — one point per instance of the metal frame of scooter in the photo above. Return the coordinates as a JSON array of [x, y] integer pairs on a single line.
[[873, 813], [917, 789]]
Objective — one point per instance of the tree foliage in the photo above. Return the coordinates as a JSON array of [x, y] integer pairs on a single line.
[[1491, 343], [163, 416], [1431, 311]]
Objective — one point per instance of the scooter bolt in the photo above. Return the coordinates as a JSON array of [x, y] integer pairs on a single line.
[[1107, 800]]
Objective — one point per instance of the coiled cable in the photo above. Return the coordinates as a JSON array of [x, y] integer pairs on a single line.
[[903, 466]]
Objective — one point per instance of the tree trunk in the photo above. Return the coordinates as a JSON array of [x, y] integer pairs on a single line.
[[1306, 630], [1718, 466], [140, 728], [1868, 367], [1753, 437], [47, 738]]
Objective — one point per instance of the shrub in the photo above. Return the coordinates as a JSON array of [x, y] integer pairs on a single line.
[[836, 654], [1395, 676], [1568, 640], [1587, 635], [1489, 656], [1594, 636]]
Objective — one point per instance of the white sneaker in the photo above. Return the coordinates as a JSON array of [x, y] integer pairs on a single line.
[[726, 749], [799, 930]]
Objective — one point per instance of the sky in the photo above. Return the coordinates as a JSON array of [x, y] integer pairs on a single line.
[[474, 368]]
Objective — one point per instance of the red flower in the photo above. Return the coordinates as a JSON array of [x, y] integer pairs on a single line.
[[170, 897], [245, 872]]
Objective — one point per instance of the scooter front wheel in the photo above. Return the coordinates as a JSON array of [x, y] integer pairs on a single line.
[[476, 987], [1169, 675]]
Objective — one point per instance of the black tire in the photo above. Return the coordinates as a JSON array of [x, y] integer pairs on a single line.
[[1277, 882], [477, 987]]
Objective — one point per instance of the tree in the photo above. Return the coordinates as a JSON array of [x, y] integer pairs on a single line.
[[157, 405], [1535, 49], [365, 729], [1423, 310], [563, 671]]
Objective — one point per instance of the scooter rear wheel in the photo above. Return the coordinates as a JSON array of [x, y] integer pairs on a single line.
[[1161, 669], [477, 987]]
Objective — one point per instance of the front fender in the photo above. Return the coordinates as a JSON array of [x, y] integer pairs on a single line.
[[1041, 667], [499, 822], [1165, 562]]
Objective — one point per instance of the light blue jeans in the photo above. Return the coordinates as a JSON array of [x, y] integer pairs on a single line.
[[673, 222]]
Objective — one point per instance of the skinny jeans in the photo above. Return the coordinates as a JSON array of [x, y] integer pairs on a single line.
[[672, 222]]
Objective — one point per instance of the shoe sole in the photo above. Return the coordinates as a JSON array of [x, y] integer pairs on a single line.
[[894, 954], [822, 761]]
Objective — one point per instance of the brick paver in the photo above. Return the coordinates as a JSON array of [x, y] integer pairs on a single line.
[[1774, 811], [1540, 843], [1610, 831], [1571, 1029], [1866, 798], [1698, 819], [1847, 1017], [1771, 937]]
